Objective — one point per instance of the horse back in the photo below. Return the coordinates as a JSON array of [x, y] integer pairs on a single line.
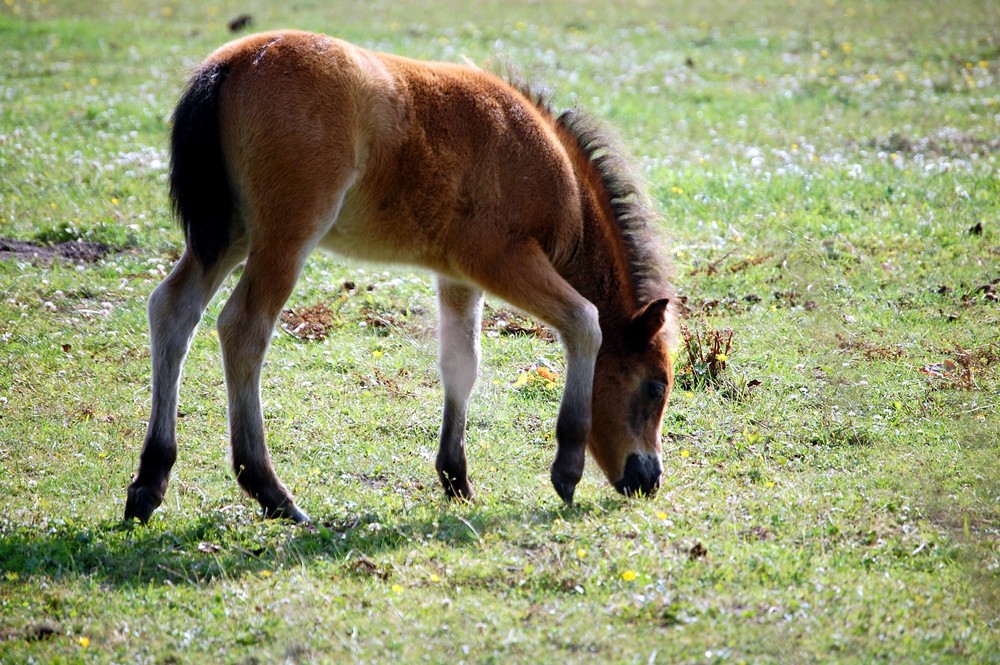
[[389, 159]]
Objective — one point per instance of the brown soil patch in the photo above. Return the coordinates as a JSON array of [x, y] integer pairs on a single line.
[[503, 322], [81, 252]]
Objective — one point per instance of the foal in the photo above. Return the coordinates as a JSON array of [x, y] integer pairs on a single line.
[[288, 141]]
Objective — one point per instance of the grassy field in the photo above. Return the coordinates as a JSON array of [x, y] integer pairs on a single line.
[[829, 179]]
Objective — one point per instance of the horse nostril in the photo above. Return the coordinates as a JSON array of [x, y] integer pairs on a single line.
[[641, 475]]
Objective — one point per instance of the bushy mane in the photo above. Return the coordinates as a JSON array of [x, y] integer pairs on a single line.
[[625, 196]]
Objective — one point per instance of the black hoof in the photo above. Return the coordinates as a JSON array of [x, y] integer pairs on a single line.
[[287, 511], [565, 486], [455, 488], [141, 502]]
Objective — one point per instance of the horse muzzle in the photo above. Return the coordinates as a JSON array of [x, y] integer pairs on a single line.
[[641, 475]]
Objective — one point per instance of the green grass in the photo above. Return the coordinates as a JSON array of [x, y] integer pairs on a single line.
[[834, 495]]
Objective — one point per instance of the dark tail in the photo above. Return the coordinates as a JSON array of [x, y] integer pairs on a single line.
[[199, 185]]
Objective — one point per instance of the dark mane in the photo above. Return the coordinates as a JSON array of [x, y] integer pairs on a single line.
[[623, 190], [627, 199], [625, 194]]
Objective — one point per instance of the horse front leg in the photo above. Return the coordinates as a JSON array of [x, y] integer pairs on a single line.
[[581, 337], [175, 308], [460, 309], [522, 275]]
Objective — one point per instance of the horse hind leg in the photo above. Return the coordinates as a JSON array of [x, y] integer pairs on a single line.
[[175, 308], [245, 327], [460, 313]]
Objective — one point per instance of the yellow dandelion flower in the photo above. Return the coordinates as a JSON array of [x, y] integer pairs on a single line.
[[721, 357], [629, 575], [266, 573], [661, 515], [84, 641], [847, 48], [435, 578], [114, 200], [685, 453], [377, 354], [396, 588]]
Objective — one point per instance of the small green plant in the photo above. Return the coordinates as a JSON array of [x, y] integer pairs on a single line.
[[706, 353]]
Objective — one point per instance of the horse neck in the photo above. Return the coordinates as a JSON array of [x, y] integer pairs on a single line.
[[602, 272]]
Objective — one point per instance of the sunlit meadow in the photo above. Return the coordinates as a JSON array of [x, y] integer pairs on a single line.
[[828, 175]]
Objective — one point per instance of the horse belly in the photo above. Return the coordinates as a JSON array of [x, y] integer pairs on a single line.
[[355, 232]]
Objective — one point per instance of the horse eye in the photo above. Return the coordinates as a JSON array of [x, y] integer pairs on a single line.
[[655, 390]]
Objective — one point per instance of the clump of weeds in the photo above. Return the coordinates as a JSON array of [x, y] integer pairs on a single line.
[[960, 370], [704, 361], [706, 352]]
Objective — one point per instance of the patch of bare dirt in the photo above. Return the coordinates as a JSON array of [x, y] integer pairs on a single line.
[[503, 322], [33, 633], [310, 323], [33, 252]]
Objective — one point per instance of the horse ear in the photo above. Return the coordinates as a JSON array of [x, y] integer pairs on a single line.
[[648, 322]]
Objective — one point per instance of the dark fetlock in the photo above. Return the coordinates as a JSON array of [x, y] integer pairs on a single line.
[[565, 486], [456, 486], [142, 500], [276, 501], [287, 511], [567, 470]]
